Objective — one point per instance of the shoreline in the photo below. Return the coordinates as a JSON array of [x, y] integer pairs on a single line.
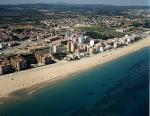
[[44, 75]]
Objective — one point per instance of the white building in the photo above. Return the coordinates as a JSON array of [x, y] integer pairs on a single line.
[[87, 39], [81, 40], [55, 49], [1, 46], [116, 44], [92, 42], [122, 30], [101, 49]]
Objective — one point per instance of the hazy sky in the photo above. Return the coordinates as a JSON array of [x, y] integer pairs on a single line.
[[112, 2]]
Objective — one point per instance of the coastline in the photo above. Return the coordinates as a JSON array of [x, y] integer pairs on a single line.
[[50, 73]]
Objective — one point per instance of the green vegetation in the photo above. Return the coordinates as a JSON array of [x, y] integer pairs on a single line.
[[100, 32], [137, 24], [146, 24]]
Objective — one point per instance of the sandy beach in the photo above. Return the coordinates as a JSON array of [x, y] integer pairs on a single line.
[[25, 79]]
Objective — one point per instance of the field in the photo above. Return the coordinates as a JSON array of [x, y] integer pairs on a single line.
[[100, 32]]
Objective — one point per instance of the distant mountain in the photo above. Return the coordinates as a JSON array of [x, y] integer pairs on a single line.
[[61, 6]]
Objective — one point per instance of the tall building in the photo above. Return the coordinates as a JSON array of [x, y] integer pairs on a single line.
[[87, 39], [55, 48], [81, 40], [51, 50], [43, 58], [5, 66], [71, 46], [18, 63]]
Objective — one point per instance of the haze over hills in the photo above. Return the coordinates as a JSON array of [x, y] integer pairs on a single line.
[[32, 10], [69, 6], [74, 4], [107, 2]]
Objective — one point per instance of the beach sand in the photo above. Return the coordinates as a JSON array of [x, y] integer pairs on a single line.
[[50, 73]]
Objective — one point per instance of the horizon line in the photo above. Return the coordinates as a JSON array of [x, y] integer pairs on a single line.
[[67, 3]]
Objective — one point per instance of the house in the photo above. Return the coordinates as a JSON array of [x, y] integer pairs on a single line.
[[122, 30]]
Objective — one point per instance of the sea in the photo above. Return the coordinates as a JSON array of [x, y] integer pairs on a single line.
[[116, 88]]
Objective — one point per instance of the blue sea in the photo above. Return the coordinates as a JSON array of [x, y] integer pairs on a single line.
[[117, 88]]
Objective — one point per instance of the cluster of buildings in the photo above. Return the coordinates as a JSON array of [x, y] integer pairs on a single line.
[[21, 33], [56, 29], [79, 45], [93, 46], [81, 21], [38, 44], [86, 21], [22, 62]]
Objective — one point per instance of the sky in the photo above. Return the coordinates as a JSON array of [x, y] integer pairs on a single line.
[[110, 2]]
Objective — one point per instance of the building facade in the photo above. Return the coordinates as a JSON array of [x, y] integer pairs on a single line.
[[18, 63], [5, 66], [43, 58]]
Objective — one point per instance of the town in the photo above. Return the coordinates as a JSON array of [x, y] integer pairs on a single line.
[[68, 37]]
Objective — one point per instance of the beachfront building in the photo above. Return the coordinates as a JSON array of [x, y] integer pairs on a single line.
[[81, 40], [5, 66], [92, 42], [71, 47], [108, 45], [93, 50], [1, 46], [88, 48], [84, 39], [55, 49], [43, 58], [18, 63], [101, 49], [30, 58], [51, 51], [116, 44]]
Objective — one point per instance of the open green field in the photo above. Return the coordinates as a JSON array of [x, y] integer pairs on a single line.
[[102, 32]]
